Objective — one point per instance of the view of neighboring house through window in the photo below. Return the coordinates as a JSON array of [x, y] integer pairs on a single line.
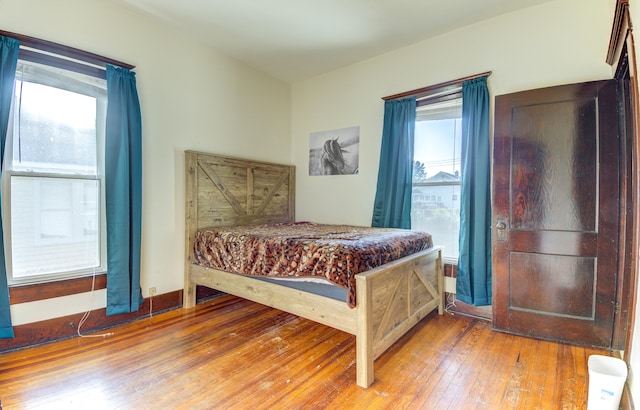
[[435, 206], [55, 175]]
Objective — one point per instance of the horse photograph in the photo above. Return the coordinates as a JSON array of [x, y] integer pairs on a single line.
[[334, 152]]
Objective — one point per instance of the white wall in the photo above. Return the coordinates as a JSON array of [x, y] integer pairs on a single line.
[[559, 42], [192, 97]]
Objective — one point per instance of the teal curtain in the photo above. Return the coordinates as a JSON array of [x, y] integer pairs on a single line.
[[123, 186], [392, 205], [9, 49], [473, 281]]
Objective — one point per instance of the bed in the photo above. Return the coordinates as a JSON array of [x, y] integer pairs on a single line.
[[223, 191]]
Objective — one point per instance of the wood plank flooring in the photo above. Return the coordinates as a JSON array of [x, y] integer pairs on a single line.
[[229, 353]]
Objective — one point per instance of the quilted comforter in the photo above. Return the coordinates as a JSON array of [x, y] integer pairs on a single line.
[[306, 250]]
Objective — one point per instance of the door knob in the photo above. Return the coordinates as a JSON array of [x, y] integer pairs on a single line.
[[501, 225]]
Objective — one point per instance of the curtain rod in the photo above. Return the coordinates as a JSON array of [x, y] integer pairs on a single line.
[[70, 52], [425, 91]]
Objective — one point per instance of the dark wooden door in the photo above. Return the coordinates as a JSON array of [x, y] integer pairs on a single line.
[[555, 213]]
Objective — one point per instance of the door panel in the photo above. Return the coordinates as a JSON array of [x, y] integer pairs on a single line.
[[556, 189], [546, 149], [552, 284]]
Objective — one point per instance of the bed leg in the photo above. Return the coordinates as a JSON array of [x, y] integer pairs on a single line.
[[189, 295], [364, 335], [364, 362], [440, 273]]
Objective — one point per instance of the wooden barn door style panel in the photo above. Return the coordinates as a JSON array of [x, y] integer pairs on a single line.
[[555, 213]]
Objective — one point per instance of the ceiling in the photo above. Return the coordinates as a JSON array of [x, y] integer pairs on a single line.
[[294, 40]]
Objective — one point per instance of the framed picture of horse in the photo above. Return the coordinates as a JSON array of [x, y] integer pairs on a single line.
[[334, 152]]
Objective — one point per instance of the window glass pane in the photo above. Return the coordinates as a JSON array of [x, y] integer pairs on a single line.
[[54, 225], [436, 209], [54, 130], [435, 206], [438, 146]]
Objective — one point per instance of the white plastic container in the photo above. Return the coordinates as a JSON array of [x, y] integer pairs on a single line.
[[607, 376]]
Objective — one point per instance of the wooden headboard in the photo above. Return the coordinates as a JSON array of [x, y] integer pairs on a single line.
[[225, 191]]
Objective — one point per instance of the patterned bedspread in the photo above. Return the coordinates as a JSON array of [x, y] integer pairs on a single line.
[[304, 249]]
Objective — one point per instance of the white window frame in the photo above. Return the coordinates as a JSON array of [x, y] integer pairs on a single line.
[[449, 108], [75, 82]]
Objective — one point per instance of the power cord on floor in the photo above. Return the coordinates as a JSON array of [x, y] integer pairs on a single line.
[[93, 288], [451, 303], [88, 312]]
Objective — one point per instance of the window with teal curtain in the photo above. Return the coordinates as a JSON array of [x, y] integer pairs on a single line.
[[9, 50], [123, 190], [473, 281], [123, 173], [392, 205]]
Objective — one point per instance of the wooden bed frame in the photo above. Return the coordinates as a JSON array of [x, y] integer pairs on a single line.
[[391, 299]]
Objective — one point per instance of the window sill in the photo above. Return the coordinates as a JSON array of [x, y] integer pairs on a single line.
[[54, 289], [450, 261]]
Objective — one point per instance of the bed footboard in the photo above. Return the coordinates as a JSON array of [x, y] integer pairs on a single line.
[[391, 300]]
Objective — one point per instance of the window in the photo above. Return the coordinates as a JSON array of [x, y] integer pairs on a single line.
[[435, 206], [54, 175]]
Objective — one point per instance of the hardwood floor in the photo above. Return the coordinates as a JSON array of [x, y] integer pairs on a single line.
[[232, 353]]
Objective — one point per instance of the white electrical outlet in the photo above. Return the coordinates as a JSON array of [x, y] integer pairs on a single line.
[[152, 291]]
